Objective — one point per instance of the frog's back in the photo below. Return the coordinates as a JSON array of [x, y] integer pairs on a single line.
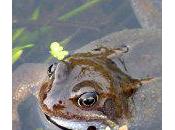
[[144, 55]]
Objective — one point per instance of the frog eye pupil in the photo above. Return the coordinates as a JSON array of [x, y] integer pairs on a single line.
[[87, 99], [51, 69]]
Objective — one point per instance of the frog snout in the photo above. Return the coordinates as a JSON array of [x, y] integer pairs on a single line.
[[61, 100], [61, 103]]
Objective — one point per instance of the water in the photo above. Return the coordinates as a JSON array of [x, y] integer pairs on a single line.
[[39, 19], [102, 19]]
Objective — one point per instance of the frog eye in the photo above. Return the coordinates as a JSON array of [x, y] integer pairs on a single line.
[[88, 99], [51, 69]]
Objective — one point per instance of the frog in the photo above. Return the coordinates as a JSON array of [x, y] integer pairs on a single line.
[[75, 93]]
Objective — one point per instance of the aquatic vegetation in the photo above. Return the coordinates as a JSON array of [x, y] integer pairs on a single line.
[[16, 55], [34, 35], [22, 36], [39, 128], [67, 40], [35, 14], [56, 48], [17, 52], [17, 33], [79, 10], [40, 31], [57, 51]]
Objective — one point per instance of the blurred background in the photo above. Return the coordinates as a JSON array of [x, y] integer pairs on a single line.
[[73, 23]]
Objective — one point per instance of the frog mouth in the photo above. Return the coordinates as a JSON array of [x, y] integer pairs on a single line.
[[65, 124], [53, 122]]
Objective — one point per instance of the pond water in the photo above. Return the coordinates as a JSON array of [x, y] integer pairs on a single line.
[[41, 24]]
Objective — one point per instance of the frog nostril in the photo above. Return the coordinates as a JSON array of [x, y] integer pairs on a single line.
[[91, 128], [60, 102]]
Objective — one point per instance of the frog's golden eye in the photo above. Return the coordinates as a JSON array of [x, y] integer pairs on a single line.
[[51, 70], [88, 99]]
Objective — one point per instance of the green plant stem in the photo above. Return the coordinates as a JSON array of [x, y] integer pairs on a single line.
[[78, 10]]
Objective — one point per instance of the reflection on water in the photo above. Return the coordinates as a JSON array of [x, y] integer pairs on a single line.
[[39, 20]]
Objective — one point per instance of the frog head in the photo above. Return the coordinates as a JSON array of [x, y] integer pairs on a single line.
[[87, 91]]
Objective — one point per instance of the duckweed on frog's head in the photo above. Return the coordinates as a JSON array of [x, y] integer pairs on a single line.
[[57, 51]]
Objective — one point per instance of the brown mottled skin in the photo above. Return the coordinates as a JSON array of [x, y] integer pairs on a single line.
[[88, 70]]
